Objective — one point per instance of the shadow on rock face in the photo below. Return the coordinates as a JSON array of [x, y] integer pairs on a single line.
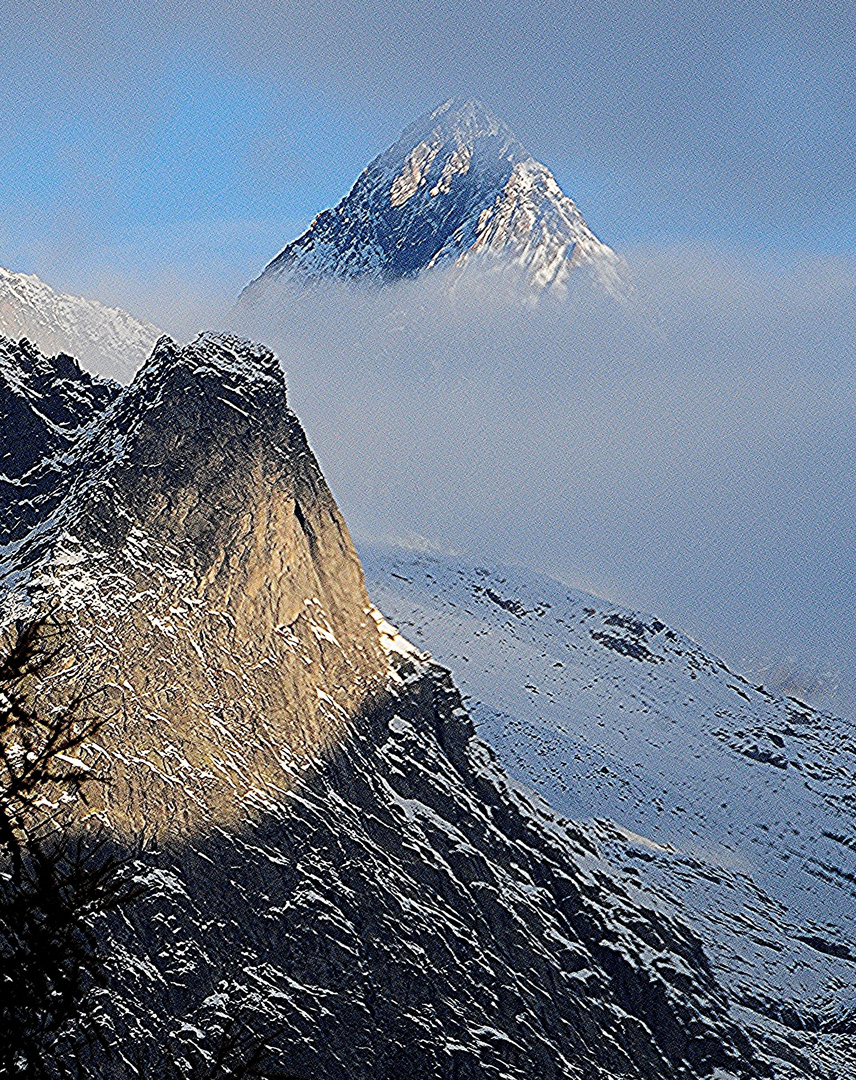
[[405, 911]]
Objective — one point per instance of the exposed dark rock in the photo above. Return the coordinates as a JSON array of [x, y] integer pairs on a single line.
[[44, 403]]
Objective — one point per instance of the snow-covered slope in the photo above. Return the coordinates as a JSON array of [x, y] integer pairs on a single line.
[[735, 807], [101, 338], [456, 187], [329, 853]]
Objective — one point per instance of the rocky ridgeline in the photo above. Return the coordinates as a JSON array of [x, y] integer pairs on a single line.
[[329, 853], [100, 337], [45, 402]]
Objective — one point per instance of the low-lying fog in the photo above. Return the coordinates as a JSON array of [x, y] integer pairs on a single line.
[[690, 450]]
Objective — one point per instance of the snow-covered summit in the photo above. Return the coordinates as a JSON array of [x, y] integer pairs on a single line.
[[456, 186], [102, 338]]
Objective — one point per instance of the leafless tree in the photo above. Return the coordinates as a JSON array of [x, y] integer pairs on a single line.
[[55, 879]]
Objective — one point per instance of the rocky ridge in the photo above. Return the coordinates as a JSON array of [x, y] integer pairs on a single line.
[[328, 850], [457, 188], [731, 804], [100, 337], [45, 402], [192, 523]]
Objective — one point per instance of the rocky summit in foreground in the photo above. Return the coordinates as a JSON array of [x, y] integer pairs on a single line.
[[458, 188], [327, 852]]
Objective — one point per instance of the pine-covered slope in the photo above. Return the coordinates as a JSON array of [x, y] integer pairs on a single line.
[[733, 806], [328, 851], [100, 337], [456, 187]]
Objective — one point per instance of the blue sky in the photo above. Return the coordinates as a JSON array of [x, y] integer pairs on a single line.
[[178, 142]]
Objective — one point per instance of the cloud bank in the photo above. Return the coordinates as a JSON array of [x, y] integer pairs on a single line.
[[690, 451]]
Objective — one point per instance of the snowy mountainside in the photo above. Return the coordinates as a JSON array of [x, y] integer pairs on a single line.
[[44, 404], [459, 188], [329, 853], [734, 807], [102, 338]]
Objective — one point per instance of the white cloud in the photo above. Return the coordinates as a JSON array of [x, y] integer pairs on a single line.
[[691, 451]]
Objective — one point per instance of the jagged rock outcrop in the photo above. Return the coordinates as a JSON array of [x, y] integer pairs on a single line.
[[44, 404], [328, 851], [457, 187]]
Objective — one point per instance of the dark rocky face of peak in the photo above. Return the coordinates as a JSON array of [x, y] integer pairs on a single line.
[[456, 183], [329, 854], [64, 394], [406, 913], [44, 404]]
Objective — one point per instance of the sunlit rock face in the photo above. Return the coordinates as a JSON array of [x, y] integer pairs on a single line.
[[330, 855], [208, 579], [457, 188]]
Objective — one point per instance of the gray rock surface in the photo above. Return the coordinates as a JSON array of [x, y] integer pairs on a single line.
[[44, 404]]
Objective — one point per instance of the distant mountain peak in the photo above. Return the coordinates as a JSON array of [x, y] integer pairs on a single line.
[[457, 187], [100, 337], [468, 119]]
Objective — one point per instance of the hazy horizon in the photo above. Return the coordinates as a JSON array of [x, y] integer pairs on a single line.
[[688, 451]]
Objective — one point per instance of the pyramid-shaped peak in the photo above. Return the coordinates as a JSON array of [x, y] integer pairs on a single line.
[[457, 188], [462, 122]]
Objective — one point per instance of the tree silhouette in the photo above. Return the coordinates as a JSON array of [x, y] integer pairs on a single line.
[[55, 879]]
